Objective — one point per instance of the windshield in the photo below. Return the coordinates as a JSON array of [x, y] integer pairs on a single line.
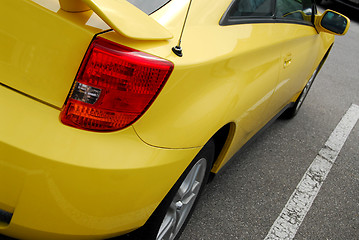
[[149, 6]]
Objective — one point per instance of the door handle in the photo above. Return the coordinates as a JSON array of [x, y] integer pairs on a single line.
[[287, 60]]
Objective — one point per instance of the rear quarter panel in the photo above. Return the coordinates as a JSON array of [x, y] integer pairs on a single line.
[[227, 74]]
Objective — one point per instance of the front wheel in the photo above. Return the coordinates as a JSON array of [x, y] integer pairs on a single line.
[[172, 215], [293, 110]]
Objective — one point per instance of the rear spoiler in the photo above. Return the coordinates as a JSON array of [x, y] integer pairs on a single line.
[[121, 16]]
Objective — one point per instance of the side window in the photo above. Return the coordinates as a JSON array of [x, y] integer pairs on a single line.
[[294, 9], [259, 11], [251, 8]]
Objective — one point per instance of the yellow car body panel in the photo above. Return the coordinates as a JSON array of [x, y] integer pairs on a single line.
[[225, 92], [33, 36], [112, 182], [82, 184]]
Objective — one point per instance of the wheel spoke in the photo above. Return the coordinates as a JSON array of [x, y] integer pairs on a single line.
[[192, 187], [183, 201], [192, 194], [169, 224], [186, 186]]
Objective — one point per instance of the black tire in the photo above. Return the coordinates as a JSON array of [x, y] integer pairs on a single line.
[[171, 206], [294, 109]]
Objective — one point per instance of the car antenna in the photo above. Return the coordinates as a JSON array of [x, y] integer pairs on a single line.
[[178, 49]]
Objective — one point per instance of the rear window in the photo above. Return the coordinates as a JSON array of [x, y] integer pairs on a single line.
[[149, 6]]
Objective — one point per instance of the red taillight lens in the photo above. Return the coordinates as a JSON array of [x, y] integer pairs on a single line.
[[114, 87]]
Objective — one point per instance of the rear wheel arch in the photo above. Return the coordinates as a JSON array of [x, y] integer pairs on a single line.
[[174, 211], [222, 140], [216, 147]]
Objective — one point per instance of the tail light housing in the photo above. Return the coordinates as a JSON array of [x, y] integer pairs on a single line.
[[114, 87]]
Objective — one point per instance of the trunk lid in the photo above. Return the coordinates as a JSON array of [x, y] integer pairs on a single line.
[[43, 42], [42, 46]]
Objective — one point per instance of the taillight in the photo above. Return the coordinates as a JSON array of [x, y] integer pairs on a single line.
[[114, 87]]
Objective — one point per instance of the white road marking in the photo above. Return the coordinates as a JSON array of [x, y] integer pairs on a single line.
[[298, 205]]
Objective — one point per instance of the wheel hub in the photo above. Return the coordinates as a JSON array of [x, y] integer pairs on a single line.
[[179, 205]]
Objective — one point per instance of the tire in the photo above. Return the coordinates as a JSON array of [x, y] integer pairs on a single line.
[[172, 215], [293, 110]]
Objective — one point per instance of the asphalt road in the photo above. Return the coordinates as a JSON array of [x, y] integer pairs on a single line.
[[246, 198]]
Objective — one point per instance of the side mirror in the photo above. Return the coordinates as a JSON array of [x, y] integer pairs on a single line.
[[332, 22]]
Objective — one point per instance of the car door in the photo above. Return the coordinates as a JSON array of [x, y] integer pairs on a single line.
[[257, 60], [301, 45]]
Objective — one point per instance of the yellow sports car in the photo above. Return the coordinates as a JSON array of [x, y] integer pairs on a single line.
[[114, 113]]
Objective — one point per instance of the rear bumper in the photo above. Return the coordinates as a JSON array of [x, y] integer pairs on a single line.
[[64, 183]]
